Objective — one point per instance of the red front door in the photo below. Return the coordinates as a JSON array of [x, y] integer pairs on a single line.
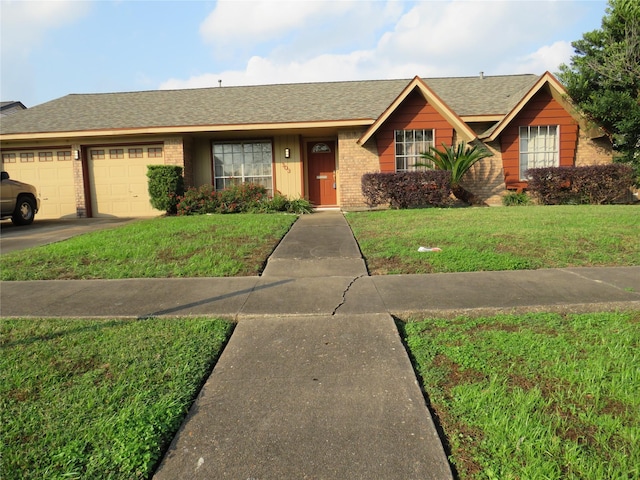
[[322, 173]]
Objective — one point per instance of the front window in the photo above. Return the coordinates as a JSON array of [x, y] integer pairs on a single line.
[[539, 148], [243, 162], [409, 145]]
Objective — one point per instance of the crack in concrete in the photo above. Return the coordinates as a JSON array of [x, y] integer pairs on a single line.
[[345, 292]]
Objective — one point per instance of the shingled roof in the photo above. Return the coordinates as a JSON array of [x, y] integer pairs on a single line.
[[266, 104]]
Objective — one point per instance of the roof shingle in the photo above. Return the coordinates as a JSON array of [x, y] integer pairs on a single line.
[[265, 104]]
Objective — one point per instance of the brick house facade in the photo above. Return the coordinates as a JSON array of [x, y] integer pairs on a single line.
[[276, 134]]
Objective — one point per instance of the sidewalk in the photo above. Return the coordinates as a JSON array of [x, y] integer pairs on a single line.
[[303, 391], [315, 382]]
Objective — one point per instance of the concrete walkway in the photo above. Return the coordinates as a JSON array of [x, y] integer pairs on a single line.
[[303, 391], [315, 382]]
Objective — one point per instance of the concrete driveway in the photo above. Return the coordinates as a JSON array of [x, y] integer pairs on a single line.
[[42, 232]]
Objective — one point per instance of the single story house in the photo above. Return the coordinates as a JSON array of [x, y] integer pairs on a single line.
[[88, 154]]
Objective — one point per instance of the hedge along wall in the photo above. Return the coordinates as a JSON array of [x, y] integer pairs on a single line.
[[594, 184]]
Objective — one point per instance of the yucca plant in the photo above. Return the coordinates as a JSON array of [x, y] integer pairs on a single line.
[[458, 160]]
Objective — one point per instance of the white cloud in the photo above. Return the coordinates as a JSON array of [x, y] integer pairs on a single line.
[[546, 58], [295, 29], [24, 26], [233, 22], [314, 40], [261, 70]]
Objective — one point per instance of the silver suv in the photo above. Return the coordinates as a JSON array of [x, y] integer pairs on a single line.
[[18, 200]]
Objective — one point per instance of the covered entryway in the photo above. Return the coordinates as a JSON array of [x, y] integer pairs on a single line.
[[51, 172], [321, 158], [118, 180]]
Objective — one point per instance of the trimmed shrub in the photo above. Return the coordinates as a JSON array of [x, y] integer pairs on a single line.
[[203, 199], [429, 188], [165, 187], [594, 184], [244, 198], [515, 199]]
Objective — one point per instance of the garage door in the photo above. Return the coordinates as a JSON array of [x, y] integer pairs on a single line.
[[51, 172], [118, 178]]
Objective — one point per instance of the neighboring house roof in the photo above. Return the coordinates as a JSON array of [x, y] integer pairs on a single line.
[[355, 102], [9, 108]]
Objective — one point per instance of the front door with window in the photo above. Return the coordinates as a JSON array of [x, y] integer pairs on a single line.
[[321, 157]]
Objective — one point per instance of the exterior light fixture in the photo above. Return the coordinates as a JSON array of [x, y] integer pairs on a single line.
[[287, 153], [76, 154]]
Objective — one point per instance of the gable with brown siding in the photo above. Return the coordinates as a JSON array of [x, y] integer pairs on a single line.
[[542, 110], [415, 113]]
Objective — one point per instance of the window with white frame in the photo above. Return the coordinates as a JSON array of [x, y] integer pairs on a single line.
[[539, 148], [410, 144], [243, 162]]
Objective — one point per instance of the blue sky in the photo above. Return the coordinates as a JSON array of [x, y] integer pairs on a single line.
[[54, 48]]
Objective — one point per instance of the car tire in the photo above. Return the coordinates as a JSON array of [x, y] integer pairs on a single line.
[[24, 212]]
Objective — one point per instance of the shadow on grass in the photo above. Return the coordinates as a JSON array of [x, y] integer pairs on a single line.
[[52, 336], [400, 325]]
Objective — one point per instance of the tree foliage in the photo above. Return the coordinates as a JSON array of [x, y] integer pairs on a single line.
[[604, 77]]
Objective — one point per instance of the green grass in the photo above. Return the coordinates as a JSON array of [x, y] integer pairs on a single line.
[[535, 396], [486, 239], [98, 398], [193, 246]]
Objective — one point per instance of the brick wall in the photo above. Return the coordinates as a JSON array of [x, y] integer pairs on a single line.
[[78, 184], [174, 151], [353, 161], [188, 151], [596, 151], [486, 178]]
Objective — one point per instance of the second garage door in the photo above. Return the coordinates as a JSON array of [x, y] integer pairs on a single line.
[[118, 178]]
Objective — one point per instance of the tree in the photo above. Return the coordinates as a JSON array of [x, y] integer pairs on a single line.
[[458, 161], [603, 78]]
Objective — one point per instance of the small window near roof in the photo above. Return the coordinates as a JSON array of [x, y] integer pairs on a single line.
[[116, 153], [45, 156], [26, 157], [155, 152], [135, 153], [9, 157], [64, 156], [321, 148], [97, 154]]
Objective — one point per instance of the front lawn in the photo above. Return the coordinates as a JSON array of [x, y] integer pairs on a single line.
[[534, 396], [98, 398], [190, 246], [508, 238]]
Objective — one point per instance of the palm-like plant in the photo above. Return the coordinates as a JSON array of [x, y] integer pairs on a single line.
[[458, 161]]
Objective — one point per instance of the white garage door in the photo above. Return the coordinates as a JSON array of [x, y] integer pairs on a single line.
[[51, 172], [118, 178]]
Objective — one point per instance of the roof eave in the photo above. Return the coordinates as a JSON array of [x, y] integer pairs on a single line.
[[186, 129]]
